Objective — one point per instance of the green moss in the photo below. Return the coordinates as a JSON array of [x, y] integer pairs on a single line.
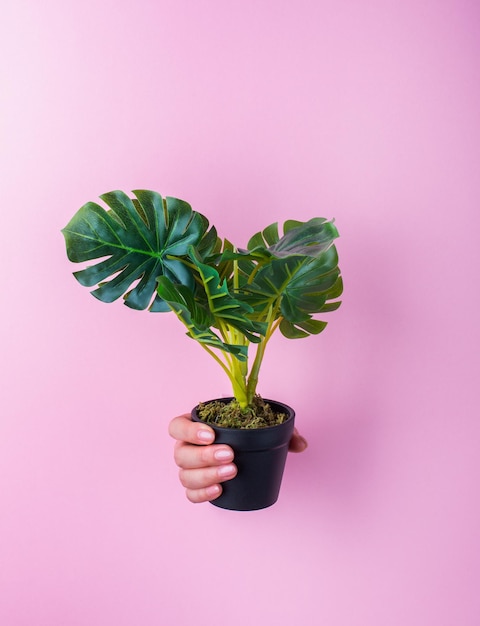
[[229, 414]]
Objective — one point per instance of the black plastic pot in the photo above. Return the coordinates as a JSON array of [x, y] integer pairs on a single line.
[[260, 456]]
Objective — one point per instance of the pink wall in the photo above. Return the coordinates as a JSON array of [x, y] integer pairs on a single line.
[[253, 111]]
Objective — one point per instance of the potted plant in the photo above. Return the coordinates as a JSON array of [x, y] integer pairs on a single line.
[[159, 254]]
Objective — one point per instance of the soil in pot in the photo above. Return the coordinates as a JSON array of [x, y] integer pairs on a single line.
[[228, 414]]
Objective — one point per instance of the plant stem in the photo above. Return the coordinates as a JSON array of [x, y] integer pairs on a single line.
[[253, 376], [225, 367], [239, 369]]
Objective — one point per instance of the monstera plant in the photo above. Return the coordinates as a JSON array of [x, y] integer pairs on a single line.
[[162, 256], [158, 254]]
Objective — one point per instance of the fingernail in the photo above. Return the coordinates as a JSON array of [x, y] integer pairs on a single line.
[[223, 455], [226, 470], [206, 436]]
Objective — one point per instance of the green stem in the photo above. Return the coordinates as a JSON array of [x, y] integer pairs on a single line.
[[254, 272], [225, 368], [239, 368], [254, 372], [237, 380], [235, 276]]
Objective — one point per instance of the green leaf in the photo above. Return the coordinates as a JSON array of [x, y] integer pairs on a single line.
[[225, 268], [223, 306], [196, 318], [328, 307], [270, 234], [143, 238], [302, 329], [289, 224], [310, 238], [336, 291], [299, 286]]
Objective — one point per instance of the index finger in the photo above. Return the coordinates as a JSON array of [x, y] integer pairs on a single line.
[[183, 429]]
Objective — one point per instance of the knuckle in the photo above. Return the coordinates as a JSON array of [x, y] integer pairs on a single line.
[[183, 478], [191, 496], [205, 455], [195, 496], [177, 452], [179, 426], [203, 495]]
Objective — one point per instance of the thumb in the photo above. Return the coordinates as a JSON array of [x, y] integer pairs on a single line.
[[297, 442]]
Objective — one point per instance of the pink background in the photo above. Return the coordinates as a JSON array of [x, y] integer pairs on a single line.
[[253, 111]]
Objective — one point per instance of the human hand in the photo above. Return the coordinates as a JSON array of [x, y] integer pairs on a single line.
[[203, 467]]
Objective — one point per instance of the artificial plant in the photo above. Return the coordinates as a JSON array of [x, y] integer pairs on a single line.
[[159, 254]]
